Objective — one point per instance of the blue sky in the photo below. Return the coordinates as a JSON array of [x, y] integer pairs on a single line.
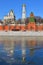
[[35, 6]]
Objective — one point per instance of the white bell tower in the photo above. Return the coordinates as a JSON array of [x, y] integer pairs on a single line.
[[23, 13]]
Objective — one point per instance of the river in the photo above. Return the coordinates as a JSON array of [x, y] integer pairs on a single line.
[[21, 50]]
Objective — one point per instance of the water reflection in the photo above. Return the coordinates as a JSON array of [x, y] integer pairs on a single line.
[[9, 47], [21, 51], [23, 44]]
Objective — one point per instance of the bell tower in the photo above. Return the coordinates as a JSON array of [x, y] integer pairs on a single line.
[[23, 13]]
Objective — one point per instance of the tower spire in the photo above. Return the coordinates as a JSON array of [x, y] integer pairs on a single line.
[[23, 13]]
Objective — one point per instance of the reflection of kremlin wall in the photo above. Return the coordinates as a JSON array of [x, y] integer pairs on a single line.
[[24, 24]]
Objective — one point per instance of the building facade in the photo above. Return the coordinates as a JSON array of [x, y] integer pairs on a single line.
[[10, 18]]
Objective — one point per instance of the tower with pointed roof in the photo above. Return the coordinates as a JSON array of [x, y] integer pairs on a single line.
[[23, 13], [31, 19], [31, 24]]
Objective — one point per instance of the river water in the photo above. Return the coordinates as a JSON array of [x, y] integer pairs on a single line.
[[21, 50]]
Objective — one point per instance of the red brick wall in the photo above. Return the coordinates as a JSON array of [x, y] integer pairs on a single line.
[[1, 27], [31, 26], [40, 27], [11, 27], [6, 27], [17, 27], [22, 27]]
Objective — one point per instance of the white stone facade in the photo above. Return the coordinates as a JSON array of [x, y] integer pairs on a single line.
[[23, 11], [9, 16]]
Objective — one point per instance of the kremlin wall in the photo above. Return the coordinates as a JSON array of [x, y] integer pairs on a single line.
[[32, 23]]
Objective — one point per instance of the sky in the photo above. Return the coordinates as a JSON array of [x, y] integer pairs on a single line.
[[35, 6]]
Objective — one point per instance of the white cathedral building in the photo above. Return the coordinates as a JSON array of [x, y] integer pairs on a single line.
[[10, 18]]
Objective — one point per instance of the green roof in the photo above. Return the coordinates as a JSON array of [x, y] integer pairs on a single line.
[[31, 19]]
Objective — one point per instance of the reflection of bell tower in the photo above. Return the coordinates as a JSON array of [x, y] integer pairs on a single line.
[[23, 13], [23, 49]]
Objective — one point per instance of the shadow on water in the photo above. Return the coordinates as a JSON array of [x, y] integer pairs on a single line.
[[21, 51]]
